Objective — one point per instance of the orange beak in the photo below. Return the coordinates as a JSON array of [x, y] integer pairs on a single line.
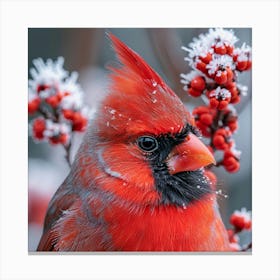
[[190, 155]]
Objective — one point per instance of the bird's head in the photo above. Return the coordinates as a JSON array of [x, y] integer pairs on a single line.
[[146, 140]]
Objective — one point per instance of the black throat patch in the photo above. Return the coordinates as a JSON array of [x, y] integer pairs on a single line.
[[182, 188]]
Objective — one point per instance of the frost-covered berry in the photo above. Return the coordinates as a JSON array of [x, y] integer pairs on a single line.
[[33, 105], [241, 219], [201, 66], [206, 58], [242, 58], [220, 48], [79, 122], [61, 138], [219, 98], [53, 100], [68, 114], [221, 77], [38, 128], [194, 83], [42, 87]]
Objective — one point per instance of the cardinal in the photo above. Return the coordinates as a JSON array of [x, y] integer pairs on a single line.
[[137, 182]]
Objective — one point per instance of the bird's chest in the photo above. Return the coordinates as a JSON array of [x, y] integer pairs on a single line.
[[164, 229]]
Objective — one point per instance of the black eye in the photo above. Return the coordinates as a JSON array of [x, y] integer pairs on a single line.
[[147, 143]]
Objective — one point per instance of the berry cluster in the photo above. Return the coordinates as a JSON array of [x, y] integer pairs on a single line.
[[240, 220], [55, 101], [216, 63]]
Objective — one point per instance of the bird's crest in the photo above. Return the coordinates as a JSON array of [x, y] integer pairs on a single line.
[[139, 101], [135, 64]]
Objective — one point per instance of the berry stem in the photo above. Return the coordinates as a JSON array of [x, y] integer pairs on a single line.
[[46, 114], [246, 247], [67, 148]]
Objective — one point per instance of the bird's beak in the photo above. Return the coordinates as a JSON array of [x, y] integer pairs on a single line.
[[190, 155]]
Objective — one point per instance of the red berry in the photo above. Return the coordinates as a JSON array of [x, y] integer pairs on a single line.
[[34, 105], [53, 100], [230, 85], [207, 119], [233, 125], [235, 100], [221, 77], [198, 83], [207, 58], [241, 65], [201, 66], [220, 49], [42, 87], [229, 74], [230, 162], [62, 138], [68, 114], [193, 92], [241, 220], [214, 103], [222, 139], [249, 65], [204, 129], [79, 122], [229, 49], [38, 128], [223, 104], [234, 91]]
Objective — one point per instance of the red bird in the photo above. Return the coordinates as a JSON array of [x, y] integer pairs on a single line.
[[137, 183]]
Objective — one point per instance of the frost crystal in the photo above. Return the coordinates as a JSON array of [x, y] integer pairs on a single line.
[[55, 129], [244, 213], [220, 61], [243, 53], [243, 89], [51, 72], [203, 44], [220, 93]]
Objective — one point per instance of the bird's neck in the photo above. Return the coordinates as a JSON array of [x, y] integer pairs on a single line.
[[196, 227]]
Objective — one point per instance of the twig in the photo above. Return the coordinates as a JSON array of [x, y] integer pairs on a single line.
[[246, 247], [67, 148]]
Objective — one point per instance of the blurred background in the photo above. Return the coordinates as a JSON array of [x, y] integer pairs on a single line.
[[88, 51]]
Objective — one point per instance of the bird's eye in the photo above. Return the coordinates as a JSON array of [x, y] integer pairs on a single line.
[[147, 143]]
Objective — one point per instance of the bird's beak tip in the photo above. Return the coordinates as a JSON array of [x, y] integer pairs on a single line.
[[190, 155]]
